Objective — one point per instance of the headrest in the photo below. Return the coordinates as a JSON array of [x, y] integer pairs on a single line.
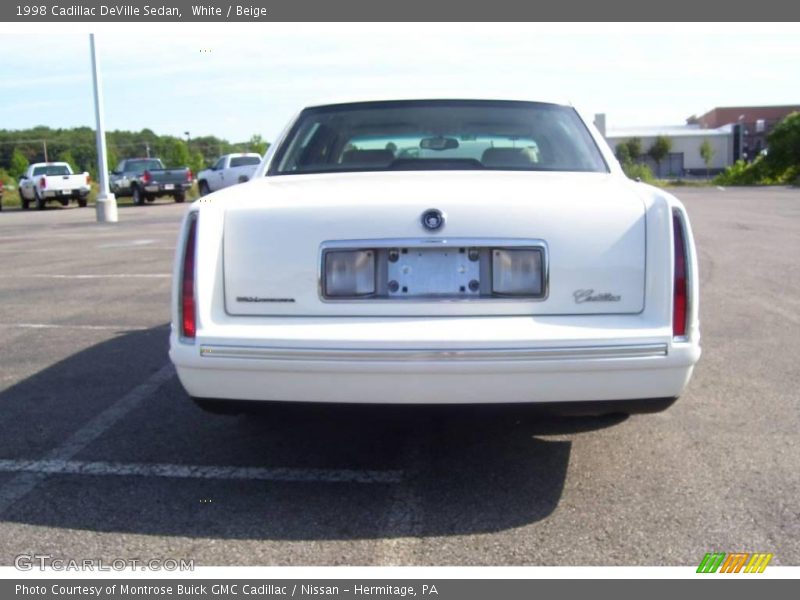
[[507, 157], [367, 157]]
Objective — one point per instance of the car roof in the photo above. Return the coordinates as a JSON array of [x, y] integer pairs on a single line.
[[432, 97]]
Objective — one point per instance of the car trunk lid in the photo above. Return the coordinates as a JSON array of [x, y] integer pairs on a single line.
[[592, 225]]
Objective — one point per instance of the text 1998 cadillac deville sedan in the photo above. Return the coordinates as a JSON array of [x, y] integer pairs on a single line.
[[437, 252]]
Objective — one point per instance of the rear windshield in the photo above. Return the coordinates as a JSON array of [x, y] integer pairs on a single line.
[[52, 170], [243, 161], [140, 166], [438, 134]]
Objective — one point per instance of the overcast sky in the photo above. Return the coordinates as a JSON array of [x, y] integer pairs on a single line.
[[233, 81]]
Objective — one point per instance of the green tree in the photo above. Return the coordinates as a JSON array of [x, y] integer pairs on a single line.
[[659, 150], [629, 151], [783, 145], [18, 164], [112, 158], [634, 148], [80, 142], [175, 153], [707, 154], [623, 153], [639, 172], [196, 162], [257, 144], [66, 156]]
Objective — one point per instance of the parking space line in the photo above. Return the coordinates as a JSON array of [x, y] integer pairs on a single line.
[[126, 248], [176, 471], [81, 237], [127, 244], [90, 276], [26, 481], [86, 327]]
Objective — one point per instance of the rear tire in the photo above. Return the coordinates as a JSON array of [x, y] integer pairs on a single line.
[[137, 195], [63, 201], [82, 201], [39, 201], [203, 188], [180, 197], [24, 201]]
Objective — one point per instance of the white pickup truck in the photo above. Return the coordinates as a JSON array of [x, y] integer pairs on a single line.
[[228, 170], [53, 181]]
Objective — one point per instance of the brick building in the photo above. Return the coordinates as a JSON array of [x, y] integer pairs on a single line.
[[684, 158], [751, 124]]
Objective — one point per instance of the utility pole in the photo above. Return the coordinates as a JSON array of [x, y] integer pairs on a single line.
[[44, 147], [106, 205]]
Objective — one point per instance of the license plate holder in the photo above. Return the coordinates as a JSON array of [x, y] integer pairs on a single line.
[[435, 270], [431, 272], [169, 186]]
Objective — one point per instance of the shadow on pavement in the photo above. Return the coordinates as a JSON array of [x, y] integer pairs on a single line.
[[463, 470]]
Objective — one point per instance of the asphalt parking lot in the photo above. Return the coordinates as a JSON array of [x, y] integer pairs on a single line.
[[102, 455]]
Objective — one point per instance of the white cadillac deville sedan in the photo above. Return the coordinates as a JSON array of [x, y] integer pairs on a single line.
[[437, 252]]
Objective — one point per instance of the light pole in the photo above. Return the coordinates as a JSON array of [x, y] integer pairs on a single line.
[[106, 204]]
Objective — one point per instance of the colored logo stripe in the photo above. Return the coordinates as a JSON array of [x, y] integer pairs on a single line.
[[735, 562], [758, 563], [711, 562]]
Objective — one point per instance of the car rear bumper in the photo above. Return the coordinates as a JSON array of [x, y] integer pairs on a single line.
[[513, 409], [557, 373], [164, 188], [56, 194]]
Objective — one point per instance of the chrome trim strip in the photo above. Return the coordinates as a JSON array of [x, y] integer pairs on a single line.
[[454, 355]]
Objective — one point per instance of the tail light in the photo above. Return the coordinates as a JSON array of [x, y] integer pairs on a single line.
[[146, 178], [680, 288], [43, 182], [188, 305], [189, 175]]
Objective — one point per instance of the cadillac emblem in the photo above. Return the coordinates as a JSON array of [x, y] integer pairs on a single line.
[[433, 219]]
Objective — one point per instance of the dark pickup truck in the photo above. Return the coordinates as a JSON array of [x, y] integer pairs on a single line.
[[144, 179]]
